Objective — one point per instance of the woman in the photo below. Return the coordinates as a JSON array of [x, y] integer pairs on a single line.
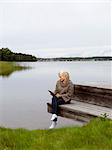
[[63, 94]]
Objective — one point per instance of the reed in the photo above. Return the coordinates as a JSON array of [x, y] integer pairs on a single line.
[[6, 68]]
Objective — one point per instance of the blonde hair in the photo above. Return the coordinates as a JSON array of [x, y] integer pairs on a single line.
[[60, 73], [65, 74]]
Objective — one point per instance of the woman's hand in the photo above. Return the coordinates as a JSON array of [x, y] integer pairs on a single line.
[[58, 95]]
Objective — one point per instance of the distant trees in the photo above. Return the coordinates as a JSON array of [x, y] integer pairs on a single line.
[[97, 58], [7, 55]]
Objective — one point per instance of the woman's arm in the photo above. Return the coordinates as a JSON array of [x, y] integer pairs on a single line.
[[67, 96], [56, 88]]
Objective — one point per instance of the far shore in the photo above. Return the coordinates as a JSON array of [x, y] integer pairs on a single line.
[[76, 59], [7, 55]]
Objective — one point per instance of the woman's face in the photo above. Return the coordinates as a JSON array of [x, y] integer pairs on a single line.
[[62, 78]]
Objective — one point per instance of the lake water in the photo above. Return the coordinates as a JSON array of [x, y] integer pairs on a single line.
[[24, 94]]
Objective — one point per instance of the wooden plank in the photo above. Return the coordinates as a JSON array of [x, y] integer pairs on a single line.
[[82, 111], [89, 109], [91, 89], [93, 99], [76, 115], [93, 95]]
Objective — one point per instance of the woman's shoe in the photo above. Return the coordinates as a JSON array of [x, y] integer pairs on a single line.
[[53, 125], [54, 117]]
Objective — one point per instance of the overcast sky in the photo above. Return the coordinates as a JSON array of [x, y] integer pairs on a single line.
[[56, 29]]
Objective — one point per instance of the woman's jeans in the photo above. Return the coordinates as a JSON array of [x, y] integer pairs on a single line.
[[56, 102]]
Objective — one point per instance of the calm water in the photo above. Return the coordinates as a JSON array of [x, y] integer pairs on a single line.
[[24, 94]]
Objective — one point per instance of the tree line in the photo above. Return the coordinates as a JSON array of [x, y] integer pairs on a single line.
[[7, 55], [97, 58]]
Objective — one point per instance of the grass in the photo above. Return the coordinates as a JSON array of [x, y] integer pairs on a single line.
[[7, 68], [97, 135]]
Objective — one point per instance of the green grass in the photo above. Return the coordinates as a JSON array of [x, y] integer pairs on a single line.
[[97, 135], [7, 68]]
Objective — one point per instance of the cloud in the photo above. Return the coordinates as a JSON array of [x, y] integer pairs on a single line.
[[31, 27], [73, 52]]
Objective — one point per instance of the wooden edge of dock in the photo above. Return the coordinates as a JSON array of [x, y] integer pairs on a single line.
[[81, 111], [67, 113]]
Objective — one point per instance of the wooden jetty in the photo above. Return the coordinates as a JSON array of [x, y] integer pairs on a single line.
[[88, 102]]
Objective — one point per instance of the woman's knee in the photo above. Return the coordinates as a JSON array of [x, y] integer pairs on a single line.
[[54, 99]]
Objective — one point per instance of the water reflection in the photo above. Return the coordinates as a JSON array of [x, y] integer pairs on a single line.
[[23, 96], [7, 68]]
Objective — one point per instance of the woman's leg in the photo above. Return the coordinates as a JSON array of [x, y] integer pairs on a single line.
[[55, 103]]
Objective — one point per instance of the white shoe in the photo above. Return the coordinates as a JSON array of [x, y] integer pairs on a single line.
[[54, 116], [53, 125]]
